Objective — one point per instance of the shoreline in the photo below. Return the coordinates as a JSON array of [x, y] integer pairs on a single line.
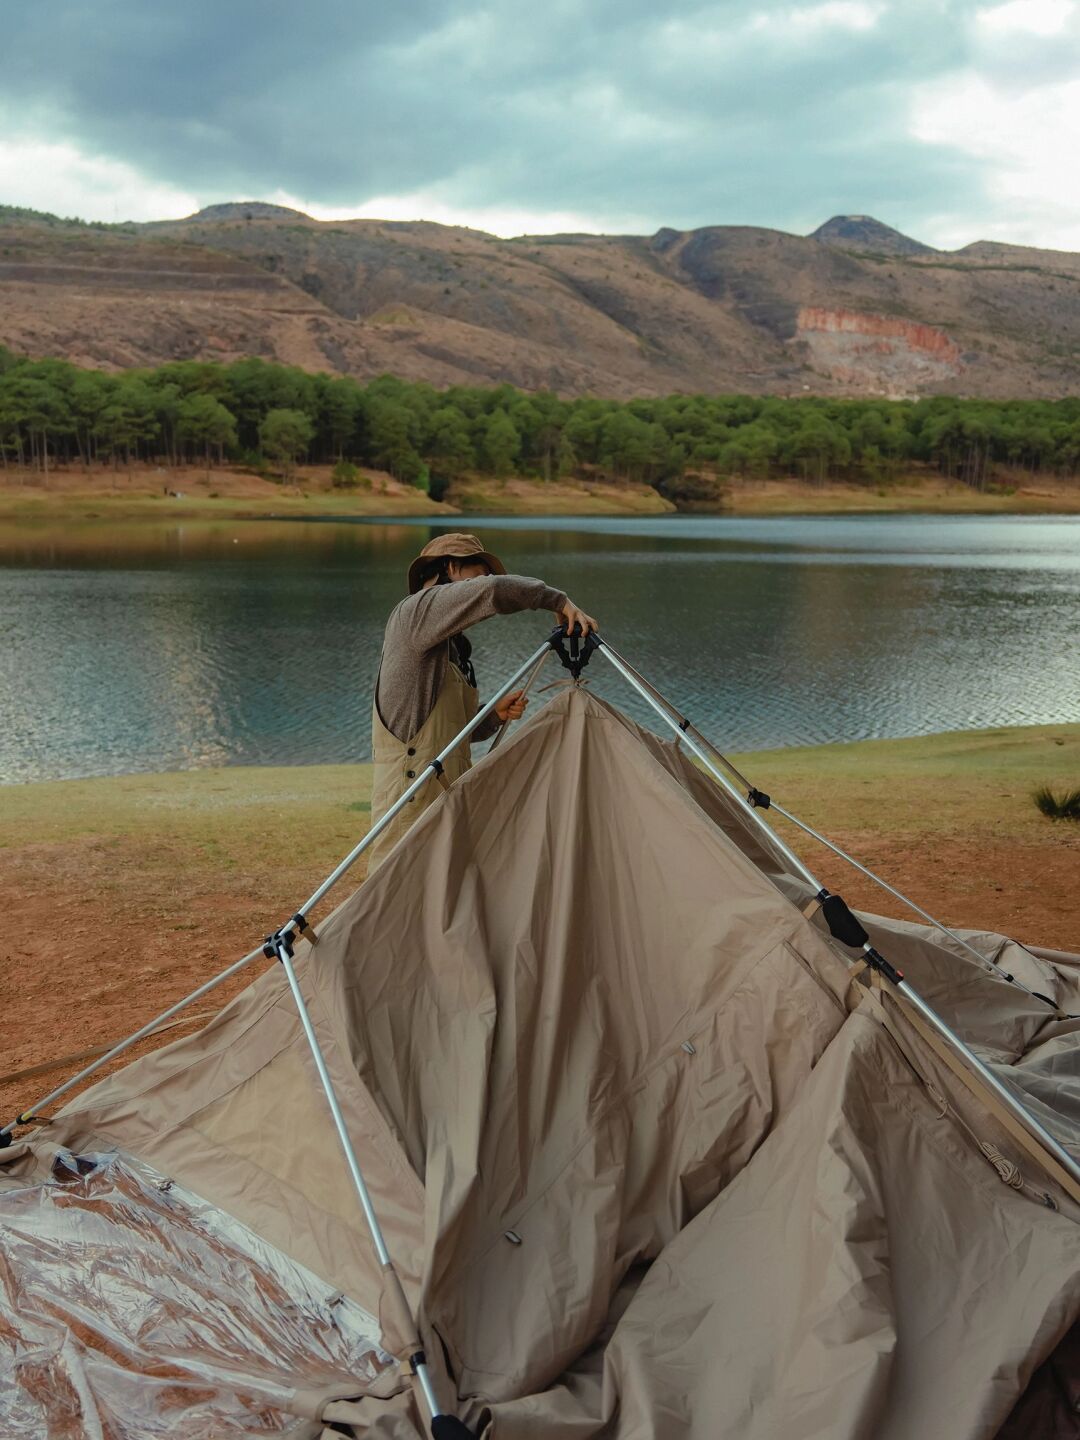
[[998, 749], [156, 496]]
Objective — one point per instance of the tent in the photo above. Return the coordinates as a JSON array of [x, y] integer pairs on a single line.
[[653, 1154]]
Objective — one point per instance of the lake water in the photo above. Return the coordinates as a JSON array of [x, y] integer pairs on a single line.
[[256, 642]]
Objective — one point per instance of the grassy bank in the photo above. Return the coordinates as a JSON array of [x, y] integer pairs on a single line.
[[963, 781], [914, 494], [189, 493]]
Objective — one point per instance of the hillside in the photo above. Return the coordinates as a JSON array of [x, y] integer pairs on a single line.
[[854, 309]]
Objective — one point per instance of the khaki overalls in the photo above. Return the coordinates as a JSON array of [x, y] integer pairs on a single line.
[[398, 762]]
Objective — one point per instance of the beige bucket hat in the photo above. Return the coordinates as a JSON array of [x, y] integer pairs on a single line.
[[454, 546]]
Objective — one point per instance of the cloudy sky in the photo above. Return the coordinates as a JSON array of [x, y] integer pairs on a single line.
[[951, 119]]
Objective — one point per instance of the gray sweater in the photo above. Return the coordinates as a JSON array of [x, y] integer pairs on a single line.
[[414, 653]]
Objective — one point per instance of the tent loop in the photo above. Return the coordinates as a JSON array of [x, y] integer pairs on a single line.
[[856, 988], [563, 684], [938, 1099]]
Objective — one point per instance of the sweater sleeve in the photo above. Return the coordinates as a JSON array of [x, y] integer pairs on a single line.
[[440, 611], [487, 728]]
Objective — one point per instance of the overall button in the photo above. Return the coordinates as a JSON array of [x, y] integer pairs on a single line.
[[410, 773], [411, 750]]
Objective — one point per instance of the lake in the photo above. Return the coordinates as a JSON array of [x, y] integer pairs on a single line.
[[160, 647]]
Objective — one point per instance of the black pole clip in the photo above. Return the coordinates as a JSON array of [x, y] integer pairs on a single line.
[[26, 1118], [849, 930], [286, 937], [449, 1427], [843, 925], [878, 962], [758, 799], [574, 652]]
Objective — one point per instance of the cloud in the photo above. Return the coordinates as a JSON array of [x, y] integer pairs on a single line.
[[578, 114], [1013, 115], [1033, 17], [1028, 140], [49, 175], [495, 219], [832, 15]]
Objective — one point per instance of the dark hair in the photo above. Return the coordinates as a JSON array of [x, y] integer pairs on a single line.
[[439, 567], [461, 650]]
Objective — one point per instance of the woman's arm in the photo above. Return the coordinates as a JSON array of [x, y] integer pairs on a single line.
[[430, 617]]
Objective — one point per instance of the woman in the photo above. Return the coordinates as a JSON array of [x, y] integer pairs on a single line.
[[426, 691]]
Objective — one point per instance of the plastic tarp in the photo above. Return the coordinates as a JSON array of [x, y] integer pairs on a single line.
[[128, 1307]]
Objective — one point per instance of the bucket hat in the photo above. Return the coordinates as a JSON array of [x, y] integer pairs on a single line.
[[453, 546]]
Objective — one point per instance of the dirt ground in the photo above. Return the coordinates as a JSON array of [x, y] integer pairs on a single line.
[[147, 492], [123, 895]]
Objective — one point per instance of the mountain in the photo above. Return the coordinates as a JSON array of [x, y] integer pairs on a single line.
[[722, 308], [864, 233], [246, 210]]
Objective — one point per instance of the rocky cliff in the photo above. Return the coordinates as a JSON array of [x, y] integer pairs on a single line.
[[898, 357]]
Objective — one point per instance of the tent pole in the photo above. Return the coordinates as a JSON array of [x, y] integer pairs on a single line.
[[644, 689], [766, 802], [298, 923], [1001, 1092], [528, 686], [25, 1116], [417, 1362]]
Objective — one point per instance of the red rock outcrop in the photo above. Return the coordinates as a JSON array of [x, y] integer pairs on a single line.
[[877, 352], [889, 327]]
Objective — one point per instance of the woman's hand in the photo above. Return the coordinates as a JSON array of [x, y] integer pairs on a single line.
[[512, 706], [570, 616]]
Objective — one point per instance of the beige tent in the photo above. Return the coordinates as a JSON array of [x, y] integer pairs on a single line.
[[651, 1155]]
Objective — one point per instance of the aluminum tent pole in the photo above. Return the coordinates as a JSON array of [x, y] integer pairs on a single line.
[[298, 924], [644, 689], [26, 1116], [442, 1423], [844, 926], [528, 686]]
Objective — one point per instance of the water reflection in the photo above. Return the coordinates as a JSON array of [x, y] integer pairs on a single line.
[[146, 648]]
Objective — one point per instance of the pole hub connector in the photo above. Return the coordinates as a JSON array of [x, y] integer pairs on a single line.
[[574, 651], [286, 937]]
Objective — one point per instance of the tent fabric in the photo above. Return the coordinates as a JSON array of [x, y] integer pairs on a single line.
[[809, 1297], [577, 1003]]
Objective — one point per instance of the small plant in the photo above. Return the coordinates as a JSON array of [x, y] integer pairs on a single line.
[[345, 476], [1065, 808]]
